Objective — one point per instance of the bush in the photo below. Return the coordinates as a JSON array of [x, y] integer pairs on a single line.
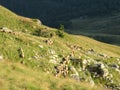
[[44, 33], [60, 33]]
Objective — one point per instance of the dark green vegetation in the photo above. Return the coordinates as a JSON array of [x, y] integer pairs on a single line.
[[105, 28], [55, 12], [35, 57], [98, 19]]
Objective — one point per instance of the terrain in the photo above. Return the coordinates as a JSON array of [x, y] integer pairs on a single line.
[[98, 19], [36, 57], [61, 11], [104, 29]]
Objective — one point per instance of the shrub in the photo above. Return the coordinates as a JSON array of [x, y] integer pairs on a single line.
[[60, 33], [44, 33]]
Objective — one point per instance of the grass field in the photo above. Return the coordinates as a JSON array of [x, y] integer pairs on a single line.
[[34, 71]]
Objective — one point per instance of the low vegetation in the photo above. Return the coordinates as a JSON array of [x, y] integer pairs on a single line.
[[32, 58]]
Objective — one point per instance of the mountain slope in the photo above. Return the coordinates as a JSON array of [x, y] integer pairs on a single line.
[[63, 11], [98, 19], [32, 56], [105, 29]]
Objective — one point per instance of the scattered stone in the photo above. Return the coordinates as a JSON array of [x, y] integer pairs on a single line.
[[74, 71], [1, 57], [22, 62], [84, 64], [53, 61], [92, 83], [76, 77], [21, 53], [62, 68], [118, 60], [115, 66], [98, 70], [35, 57], [39, 22], [49, 41], [74, 47], [41, 46], [103, 55], [118, 70], [91, 51], [75, 61], [6, 30], [52, 51]]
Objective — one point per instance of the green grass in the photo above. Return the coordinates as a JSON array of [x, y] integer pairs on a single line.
[[14, 76], [34, 71]]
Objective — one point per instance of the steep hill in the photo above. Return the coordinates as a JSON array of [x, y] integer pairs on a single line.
[[106, 29], [98, 19], [36, 57], [61, 11]]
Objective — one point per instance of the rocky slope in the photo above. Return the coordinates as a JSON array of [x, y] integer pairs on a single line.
[[98, 19], [37, 57]]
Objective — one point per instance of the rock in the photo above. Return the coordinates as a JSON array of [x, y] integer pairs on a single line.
[[22, 62], [98, 70], [39, 22], [76, 77], [53, 61], [117, 70], [62, 68], [75, 60], [52, 51], [41, 46], [49, 41], [74, 71], [84, 64], [35, 57], [118, 60], [21, 53], [115, 66], [91, 51], [92, 83], [6, 30], [1, 57], [103, 55]]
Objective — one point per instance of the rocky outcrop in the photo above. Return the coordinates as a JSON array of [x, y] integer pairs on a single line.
[[62, 69], [9, 31]]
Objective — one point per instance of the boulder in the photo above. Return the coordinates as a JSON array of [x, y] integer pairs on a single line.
[[39, 22], [98, 70], [6, 30]]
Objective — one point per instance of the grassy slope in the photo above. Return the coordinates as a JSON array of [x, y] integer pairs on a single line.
[[13, 75], [105, 28]]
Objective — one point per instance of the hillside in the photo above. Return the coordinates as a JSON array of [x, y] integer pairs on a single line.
[[62, 10], [106, 29], [98, 19], [36, 57]]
